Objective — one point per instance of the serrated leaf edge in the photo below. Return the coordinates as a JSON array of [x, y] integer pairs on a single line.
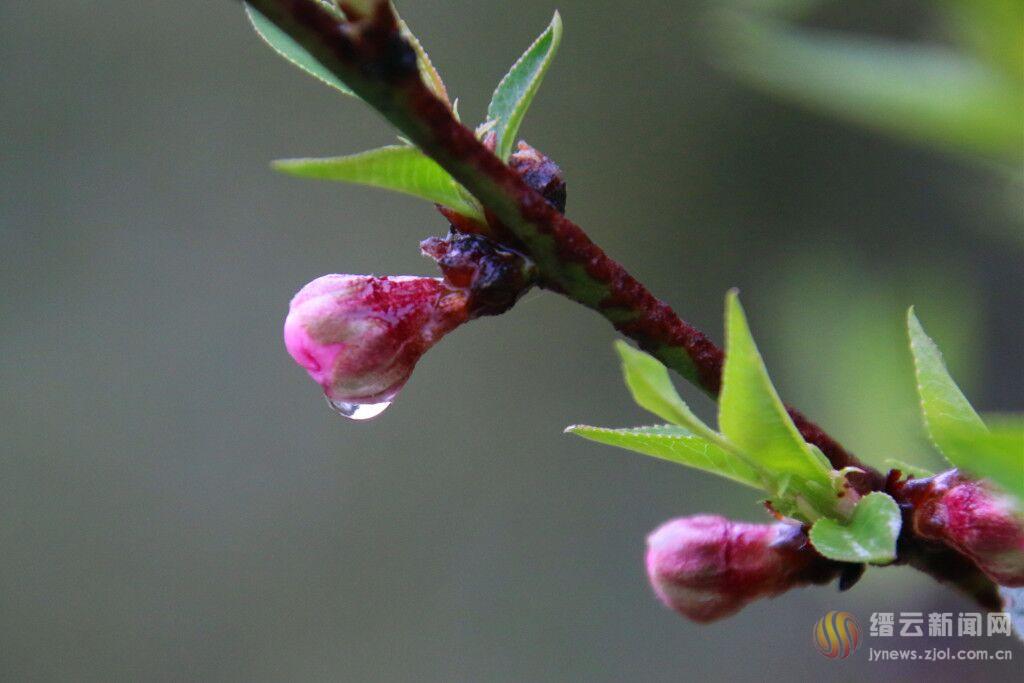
[[504, 147], [895, 526]]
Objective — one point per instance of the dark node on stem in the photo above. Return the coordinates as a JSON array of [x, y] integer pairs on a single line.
[[540, 173], [494, 275]]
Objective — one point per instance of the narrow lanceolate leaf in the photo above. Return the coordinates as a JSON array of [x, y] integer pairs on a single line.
[[956, 429], [899, 88], [996, 455], [752, 417], [652, 389], [945, 409], [514, 93], [428, 72], [675, 444], [869, 536], [399, 168], [284, 45]]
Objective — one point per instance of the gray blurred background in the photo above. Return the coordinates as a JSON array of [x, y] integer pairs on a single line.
[[176, 500]]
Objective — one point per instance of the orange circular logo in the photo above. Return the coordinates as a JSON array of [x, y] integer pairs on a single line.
[[836, 635]]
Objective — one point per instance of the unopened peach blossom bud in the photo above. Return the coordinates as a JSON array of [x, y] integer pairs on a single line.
[[359, 336], [976, 520], [707, 567]]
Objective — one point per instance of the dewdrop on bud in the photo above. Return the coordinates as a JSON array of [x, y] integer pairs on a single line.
[[707, 567], [359, 336]]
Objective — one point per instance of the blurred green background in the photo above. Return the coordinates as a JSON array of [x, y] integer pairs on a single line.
[[178, 503]]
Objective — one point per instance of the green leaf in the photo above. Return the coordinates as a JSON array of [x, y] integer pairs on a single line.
[[648, 380], [753, 418], [284, 45], [996, 454], [945, 409], [675, 444], [903, 89], [398, 167], [428, 72], [869, 536], [514, 93]]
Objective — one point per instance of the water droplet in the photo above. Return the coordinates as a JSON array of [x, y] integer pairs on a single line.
[[358, 411]]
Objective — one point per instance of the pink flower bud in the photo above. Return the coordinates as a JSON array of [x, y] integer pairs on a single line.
[[360, 336], [975, 520], [707, 567]]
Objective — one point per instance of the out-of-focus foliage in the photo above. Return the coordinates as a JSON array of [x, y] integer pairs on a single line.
[[992, 29], [966, 97], [855, 369]]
